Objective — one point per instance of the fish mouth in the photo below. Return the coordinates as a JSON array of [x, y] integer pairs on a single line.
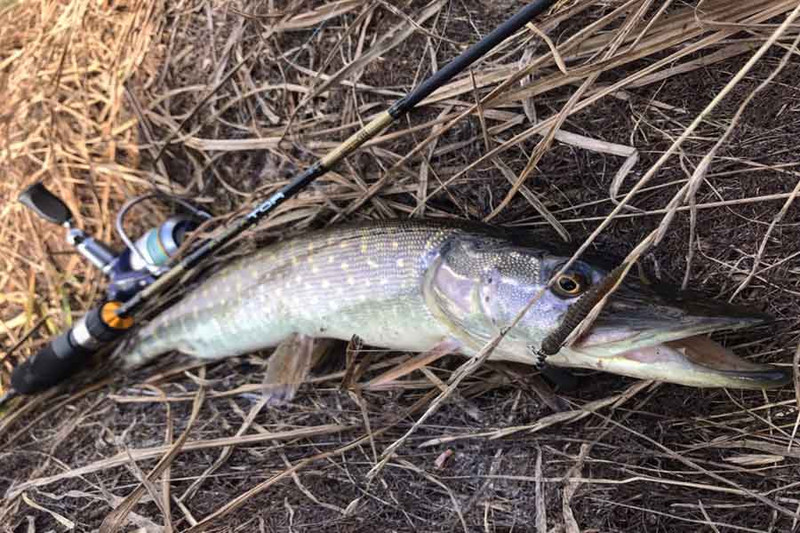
[[657, 334]]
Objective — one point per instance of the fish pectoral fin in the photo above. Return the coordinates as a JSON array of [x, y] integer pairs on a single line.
[[288, 368], [445, 347]]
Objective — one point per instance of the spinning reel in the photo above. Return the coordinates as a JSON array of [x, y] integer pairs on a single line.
[[129, 272], [142, 260]]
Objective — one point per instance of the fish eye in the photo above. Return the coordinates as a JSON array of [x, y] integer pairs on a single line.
[[569, 285]]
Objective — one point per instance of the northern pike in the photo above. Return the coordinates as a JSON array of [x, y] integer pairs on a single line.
[[424, 286]]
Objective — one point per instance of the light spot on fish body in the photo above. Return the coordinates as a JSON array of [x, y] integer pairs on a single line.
[[286, 295]]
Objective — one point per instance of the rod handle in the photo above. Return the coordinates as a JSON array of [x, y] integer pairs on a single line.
[[70, 351], [54, 363]]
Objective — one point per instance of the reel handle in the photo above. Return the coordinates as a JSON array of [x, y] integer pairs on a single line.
[[45, 204]]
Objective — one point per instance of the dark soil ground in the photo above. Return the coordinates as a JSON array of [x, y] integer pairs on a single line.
[[661, 458]]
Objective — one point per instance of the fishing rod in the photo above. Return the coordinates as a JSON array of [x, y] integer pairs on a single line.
[[115, 317]]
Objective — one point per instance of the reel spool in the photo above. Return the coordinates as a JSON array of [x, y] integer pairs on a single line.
[[142, 260], [153, 250]]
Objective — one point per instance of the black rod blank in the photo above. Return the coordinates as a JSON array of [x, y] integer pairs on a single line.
[[469, 56]]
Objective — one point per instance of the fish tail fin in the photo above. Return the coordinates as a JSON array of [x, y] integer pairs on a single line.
[[141, 347]]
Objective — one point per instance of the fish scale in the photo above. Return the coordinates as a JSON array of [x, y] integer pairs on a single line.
[[362, 280]]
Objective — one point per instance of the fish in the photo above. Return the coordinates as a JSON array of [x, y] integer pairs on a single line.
[[440, 287]]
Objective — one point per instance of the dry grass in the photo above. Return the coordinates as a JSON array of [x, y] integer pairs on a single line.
[[665, 129]]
